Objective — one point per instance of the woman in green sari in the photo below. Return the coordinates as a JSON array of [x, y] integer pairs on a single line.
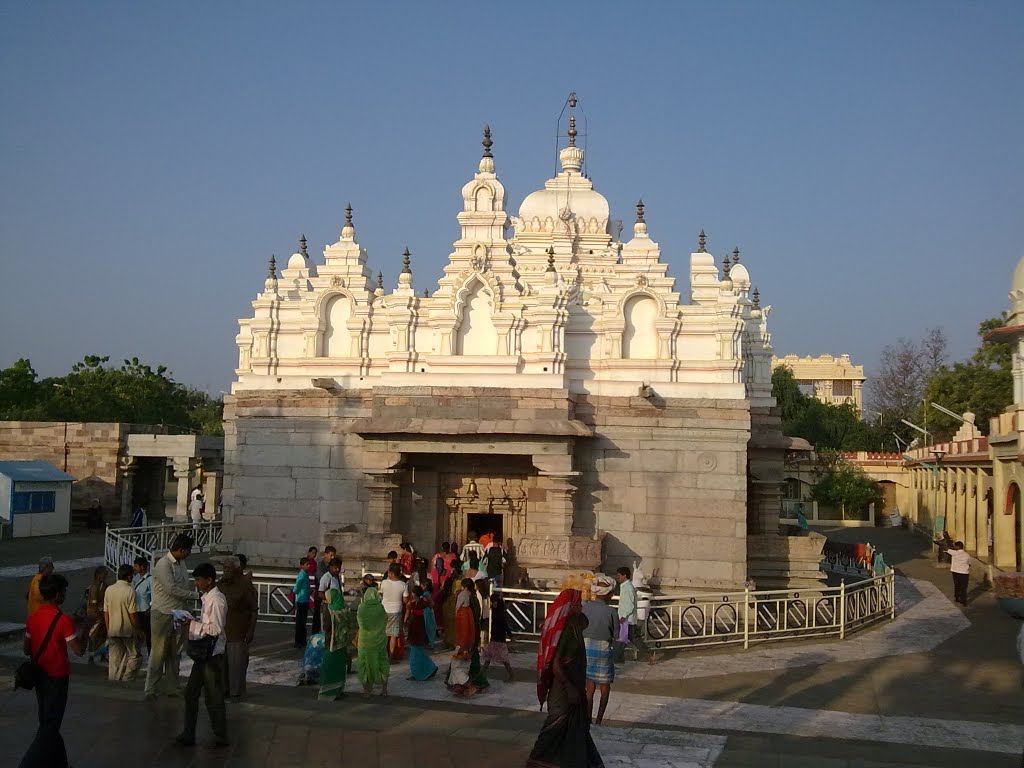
[[374, 667], [339, 625]]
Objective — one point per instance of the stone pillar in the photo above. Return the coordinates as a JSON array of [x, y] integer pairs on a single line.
[[128, 467], [212, 480], [183, 474], [382, 487], [561, 493]]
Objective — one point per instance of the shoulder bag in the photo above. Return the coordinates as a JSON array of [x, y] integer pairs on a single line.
[[29, 673]]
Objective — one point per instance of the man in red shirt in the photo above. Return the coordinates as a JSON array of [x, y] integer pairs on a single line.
[[47, 749]]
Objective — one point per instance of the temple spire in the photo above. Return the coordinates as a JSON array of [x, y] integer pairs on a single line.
[[726, 266], [487, 141], [348, 214], [640, 212], [756, 296], [551, 259], [572, 130], [406, 262], [272, 268], [701, 242], [380, 281], [302, 246], [736, 255]]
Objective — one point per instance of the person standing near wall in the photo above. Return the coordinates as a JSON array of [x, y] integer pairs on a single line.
[[322, 567], [170, 593], [628, 617]]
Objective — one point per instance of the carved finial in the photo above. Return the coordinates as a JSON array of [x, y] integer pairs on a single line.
[[551, 259], [426, 294], [406, 269], [348, 214], [572, 130], [701, 242], [380, 280], [736, 255], [572, 100], [640, 212], [302, 246], [726, 266], [487, 141], [272, 271], [756, 296]]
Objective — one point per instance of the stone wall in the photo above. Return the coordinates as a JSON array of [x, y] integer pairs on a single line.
[[666, 481], [662, 481], [93, 452]]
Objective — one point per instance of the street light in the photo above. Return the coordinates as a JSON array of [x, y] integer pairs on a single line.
[[943, 409]]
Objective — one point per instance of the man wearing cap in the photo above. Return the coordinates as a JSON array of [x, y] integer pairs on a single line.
[[171, 592], [34, 597], [599, 638]]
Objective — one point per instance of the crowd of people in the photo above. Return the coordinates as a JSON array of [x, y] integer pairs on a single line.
[[142, 620], [417, 605]]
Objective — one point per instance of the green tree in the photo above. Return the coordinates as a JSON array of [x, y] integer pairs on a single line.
[[20, 391], [93, 391], [843, 485], [982, 385], [823, 425]]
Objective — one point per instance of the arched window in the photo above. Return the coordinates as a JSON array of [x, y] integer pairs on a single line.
[[640, 336], [336, 336]]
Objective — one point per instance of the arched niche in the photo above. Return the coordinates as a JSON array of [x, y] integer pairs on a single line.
[[483, 199], [640, 336], [336, 338], [476, 334]]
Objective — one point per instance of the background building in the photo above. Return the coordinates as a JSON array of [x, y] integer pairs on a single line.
[[833, 380], [35, 499]]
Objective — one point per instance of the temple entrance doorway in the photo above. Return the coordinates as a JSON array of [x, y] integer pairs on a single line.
[[481, 523], [442, 497]]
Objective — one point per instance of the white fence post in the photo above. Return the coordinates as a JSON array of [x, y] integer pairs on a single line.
[[746, 616], [842, 609], [890, 584]]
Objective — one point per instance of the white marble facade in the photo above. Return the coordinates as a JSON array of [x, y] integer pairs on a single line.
[[624, 405]]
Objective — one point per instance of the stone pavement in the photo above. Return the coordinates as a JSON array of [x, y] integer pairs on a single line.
[[941, 686]]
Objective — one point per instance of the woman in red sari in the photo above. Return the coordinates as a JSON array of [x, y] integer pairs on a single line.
[[564, 740]]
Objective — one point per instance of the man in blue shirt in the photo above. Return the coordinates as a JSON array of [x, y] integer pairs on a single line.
[[143, 584], [628, 616]]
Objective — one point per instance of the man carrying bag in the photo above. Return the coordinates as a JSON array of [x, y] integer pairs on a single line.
[[48, 635]]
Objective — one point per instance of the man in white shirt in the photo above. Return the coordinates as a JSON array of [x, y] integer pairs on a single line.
[[207, 672], [473, 547], [119, 609], [170, 593], [393, 594], [960, 567]]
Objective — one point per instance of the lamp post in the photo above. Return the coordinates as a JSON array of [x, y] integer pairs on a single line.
[[938, 453]]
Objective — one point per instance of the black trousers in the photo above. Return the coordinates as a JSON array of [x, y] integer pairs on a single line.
[[142, 621], [208, 678], [960, 587], [301, 614], [317, 603], [47, 748]]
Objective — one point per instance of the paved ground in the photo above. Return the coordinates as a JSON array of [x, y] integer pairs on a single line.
[[940, 686]]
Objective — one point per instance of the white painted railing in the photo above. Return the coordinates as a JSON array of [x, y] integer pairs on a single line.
[[123, 545], [686, 621]]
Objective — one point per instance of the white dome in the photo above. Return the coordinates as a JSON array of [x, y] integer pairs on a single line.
[[297, 261], [586, 204]]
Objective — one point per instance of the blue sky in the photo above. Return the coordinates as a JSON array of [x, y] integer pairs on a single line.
[[866, 157]]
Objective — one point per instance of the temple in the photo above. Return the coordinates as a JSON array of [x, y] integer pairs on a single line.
[[554, 386]]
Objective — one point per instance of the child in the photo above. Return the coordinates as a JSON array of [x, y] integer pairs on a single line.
[[300, 591], [497, 646]]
